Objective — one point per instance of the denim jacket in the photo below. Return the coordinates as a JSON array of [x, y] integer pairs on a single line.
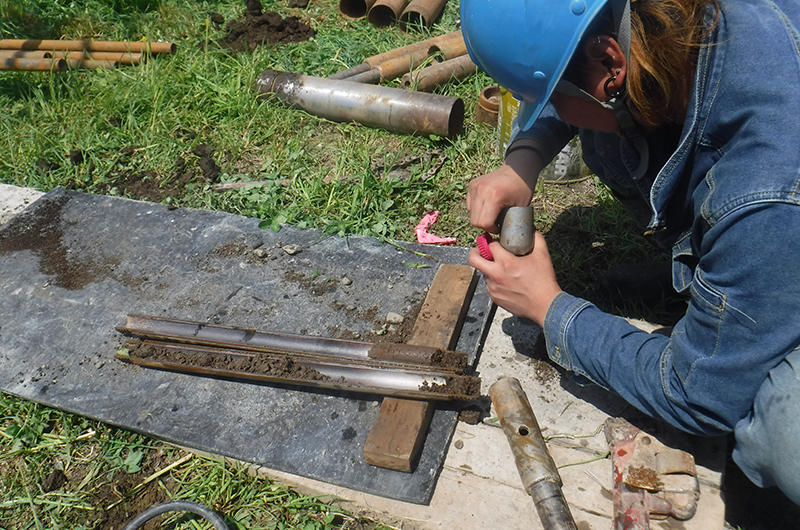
[[725, 196]]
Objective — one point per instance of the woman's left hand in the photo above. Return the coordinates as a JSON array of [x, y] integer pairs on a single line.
[[524, 286]]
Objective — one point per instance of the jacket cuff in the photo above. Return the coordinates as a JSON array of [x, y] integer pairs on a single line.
[[560, 315]]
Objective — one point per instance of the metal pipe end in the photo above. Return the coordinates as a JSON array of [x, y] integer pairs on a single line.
[[455, 124], [265, 82]]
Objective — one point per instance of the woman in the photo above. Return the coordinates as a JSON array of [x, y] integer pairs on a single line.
[[689, 111]]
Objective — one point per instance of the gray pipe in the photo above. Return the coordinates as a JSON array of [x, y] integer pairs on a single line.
[[393, 109]]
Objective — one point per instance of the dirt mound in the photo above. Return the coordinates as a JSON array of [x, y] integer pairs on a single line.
[[264, 27]]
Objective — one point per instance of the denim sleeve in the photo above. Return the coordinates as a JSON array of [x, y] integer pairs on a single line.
[[548, 130], [742, 320]]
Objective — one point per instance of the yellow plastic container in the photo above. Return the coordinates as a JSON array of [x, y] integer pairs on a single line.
[[508, 111]]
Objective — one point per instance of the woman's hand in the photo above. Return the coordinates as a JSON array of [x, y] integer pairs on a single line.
[[490, 193], [524, 286], [510, 185]]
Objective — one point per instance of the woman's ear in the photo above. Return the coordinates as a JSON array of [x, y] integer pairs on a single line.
[[606, 66]]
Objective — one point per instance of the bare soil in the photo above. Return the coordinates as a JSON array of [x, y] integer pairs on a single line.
[[264, 27]]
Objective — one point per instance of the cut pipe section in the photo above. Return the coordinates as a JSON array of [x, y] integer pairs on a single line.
[[386, 12], [428, 78], [355, 8], [393, 109], [536, 468], [421, 13]]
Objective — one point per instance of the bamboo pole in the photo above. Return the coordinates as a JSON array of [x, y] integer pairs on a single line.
[[89, 45]]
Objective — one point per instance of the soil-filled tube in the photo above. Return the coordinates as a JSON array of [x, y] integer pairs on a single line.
[[385, 12], [393, 109], [421, 13]]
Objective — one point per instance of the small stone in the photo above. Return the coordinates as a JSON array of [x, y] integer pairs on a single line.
[[292, 249], [459, 444], [260, 253], [99, 365], [346, 281], [394, 318]]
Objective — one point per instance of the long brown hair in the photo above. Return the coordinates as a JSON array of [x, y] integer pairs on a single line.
[[665, 38]]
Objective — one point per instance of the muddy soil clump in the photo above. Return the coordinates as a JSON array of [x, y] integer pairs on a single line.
[[261, 27], [456, 386]]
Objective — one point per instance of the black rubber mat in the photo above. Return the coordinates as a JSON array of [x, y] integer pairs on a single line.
[[73, 266]]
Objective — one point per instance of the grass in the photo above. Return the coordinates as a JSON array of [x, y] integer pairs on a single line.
[[101, 131], [111, 474]]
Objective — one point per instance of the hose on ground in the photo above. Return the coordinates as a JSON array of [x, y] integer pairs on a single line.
[[177, 506]]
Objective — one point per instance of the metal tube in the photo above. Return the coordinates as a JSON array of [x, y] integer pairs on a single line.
[[449, 49], [536, 468], [344, 74], [116, 57], [517, 229], [88, 45], [211, 335], [393, 109], [421, 13], [33, 64], [355, 8], [428, 78], [91, 65], [405, 50], [384, 12]]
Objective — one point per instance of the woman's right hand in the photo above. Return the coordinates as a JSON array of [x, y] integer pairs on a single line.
[[487, 195], [510, 185]]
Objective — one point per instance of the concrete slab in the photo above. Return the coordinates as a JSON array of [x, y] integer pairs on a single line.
[[479, 486]]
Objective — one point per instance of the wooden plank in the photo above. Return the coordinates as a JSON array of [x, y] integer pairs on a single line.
[[397, 436]]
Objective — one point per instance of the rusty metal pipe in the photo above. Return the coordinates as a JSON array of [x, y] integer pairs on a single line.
[[393, 109], [355, 8], [405, 50], [421, 13], [88, 45], [416, 54], [115, 57], [32, 64], [536, 468], [90, 64], [449, 49], [385, 12], [428, 78], [205, 334], [349, 72]]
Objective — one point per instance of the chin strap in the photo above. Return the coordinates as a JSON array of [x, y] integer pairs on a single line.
[[621, 13]]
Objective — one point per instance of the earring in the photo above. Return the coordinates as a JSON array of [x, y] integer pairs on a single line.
[[610, 80]]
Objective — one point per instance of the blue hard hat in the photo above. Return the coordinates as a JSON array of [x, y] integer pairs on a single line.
[[526, 45]]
